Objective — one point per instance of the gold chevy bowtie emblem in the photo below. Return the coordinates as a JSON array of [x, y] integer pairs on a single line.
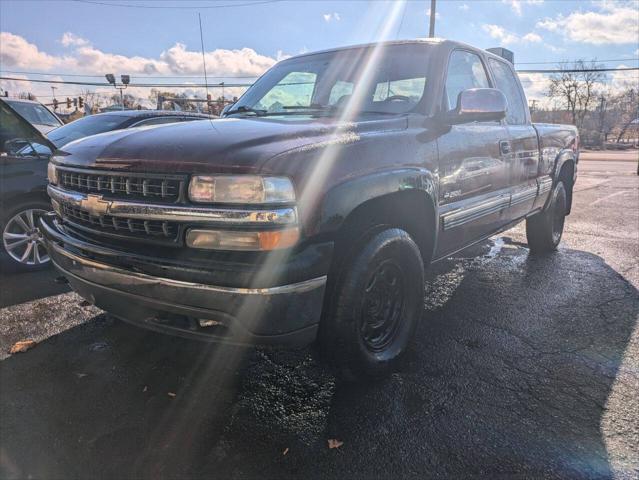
[[95, 205]]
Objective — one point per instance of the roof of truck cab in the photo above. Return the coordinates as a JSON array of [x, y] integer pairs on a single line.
[[416, 41]]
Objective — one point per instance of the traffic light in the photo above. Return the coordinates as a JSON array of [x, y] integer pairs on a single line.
[[75, 102], [80, 102], [68, 102], [208, 97], [55, 104]]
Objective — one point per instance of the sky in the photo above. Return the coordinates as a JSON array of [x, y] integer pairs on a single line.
[[246, 37]]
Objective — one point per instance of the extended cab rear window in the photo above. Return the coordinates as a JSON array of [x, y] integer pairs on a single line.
[[506, 82]]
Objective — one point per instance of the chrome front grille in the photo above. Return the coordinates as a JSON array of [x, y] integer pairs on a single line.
[[158, 188], [121, 226]]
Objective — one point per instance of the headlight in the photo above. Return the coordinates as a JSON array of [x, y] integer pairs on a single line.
[[52, 174], [241, 189]]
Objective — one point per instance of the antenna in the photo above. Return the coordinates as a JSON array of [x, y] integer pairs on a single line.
[[206, 82]]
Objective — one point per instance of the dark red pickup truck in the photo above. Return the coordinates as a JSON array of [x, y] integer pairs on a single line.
[[311, 210]]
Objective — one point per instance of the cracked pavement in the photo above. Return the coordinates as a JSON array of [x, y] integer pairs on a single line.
[[522, 366]]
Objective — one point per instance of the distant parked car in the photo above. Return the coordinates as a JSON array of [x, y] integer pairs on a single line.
[[107, 122], [35, 113], [24, 153]]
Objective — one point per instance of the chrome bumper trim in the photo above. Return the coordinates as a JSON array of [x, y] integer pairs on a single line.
[[96, 205], [134, 277]]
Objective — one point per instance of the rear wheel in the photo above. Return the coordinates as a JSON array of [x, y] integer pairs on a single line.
[[544, 229], [22, 244], [378, 299]]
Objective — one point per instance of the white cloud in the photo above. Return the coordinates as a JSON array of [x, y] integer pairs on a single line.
[[70, 39], [464, 7], [553, 48], [517, 5], [330, 17], [501, 34], [531, 37], [18, 53], [623, 79], [506, 37], [82, 58], [614, 23], [536, 87]]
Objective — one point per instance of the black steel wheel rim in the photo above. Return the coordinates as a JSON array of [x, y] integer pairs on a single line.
[[382, 306]]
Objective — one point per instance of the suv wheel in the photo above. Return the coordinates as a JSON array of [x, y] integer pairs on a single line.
[[544, 229], [378, 300], [21, 239]]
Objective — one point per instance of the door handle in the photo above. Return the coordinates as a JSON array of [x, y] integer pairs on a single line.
[[504, 147]]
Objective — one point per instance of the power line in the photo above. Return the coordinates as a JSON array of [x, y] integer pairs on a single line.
[[142, 85], [177, 7], [580, 70], [224, 84], [21, 72], [573, 61], [15, 72]]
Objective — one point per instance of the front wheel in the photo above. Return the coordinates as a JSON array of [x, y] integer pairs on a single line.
[[378, 300], [544, 229], [22, 244]]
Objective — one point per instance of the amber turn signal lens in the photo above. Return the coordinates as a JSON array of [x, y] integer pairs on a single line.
[[242, 240]]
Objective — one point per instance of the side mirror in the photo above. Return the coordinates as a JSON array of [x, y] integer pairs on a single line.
[[226, 109], [478, 105]]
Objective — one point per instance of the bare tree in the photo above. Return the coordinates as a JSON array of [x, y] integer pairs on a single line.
[[27, 96], [92, 100], [576, 87]]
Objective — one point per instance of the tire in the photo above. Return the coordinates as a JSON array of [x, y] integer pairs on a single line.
[[544, 229], [19, 235], [377, 302]]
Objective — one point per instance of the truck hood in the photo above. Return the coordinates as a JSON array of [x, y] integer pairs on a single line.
[[229, 145]]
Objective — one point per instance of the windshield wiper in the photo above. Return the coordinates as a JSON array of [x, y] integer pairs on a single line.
[[381, 112], [312, 106], [243, 109]]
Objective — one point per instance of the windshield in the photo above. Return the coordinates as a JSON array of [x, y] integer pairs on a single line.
[[83, 127], [34, 113], [391, 81]]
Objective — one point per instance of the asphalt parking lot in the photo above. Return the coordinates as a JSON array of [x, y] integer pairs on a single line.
[[523, 366]]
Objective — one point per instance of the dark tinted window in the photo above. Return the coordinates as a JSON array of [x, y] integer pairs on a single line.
[[465, 71], [83, 127], [17, 139], [506, 82], [34, 113]]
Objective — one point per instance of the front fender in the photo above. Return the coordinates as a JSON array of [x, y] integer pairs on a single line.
[[344, 198]]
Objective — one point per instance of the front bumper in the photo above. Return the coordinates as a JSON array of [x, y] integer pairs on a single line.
[[286, 314]]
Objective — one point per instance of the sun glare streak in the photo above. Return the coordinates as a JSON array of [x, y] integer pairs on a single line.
[[223, 359]]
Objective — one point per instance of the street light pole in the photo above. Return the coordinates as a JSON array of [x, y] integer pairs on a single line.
[[126, 79], [53, 89], [431, 30]]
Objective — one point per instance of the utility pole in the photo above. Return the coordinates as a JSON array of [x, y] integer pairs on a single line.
[[602, 114], [53, 89], [431, 31]]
